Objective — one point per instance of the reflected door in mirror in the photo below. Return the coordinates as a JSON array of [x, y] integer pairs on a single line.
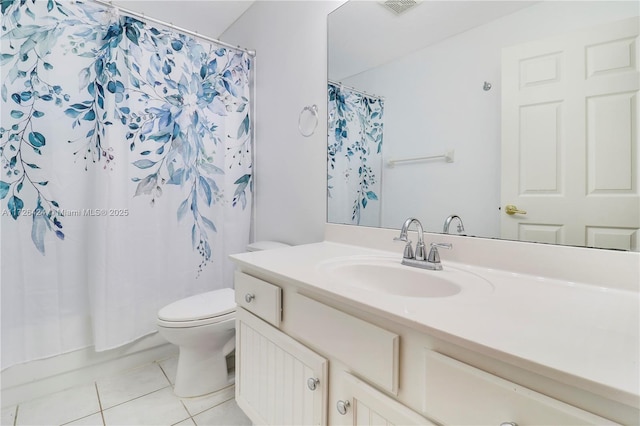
[[569, 143]]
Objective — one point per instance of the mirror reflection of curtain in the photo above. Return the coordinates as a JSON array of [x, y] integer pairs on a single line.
[[354, 156], [126, 174]]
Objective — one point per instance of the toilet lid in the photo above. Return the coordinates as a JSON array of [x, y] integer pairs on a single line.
[[201, 306], [265, 245]]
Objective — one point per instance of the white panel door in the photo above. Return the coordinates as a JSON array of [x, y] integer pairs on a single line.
[[273, 375], [569, 138]]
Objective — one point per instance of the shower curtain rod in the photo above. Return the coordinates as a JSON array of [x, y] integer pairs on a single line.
[[174, 27], [353, 89]]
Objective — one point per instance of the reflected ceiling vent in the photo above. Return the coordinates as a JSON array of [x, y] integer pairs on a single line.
[[399, 6]]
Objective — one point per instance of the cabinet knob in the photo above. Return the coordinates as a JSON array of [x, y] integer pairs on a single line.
[[342, 406], [508, 424], [249, 297], [313, 383]]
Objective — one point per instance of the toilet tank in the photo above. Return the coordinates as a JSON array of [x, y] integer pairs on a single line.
[[266, 245]]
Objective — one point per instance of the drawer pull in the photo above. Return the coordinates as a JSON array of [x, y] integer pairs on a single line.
[[342, 406], [249, 297], [508, 424], [313, 383]]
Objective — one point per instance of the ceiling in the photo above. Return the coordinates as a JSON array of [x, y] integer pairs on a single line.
[[207, 17], [364, 34]]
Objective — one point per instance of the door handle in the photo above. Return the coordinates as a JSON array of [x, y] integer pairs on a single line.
[[510, 209]]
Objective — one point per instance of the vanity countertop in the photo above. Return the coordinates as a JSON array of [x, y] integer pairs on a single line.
[[584, 335]]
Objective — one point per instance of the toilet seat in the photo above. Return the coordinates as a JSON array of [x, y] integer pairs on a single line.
[[196, 323], [201, 309]]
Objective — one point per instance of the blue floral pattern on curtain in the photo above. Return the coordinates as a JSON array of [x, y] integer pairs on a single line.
[[126, 177], [355, 136], [166, 90]]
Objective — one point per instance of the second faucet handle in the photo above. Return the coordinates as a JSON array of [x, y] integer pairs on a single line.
[[434, 255]]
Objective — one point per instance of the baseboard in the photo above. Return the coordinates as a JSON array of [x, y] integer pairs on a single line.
[[31, 380]]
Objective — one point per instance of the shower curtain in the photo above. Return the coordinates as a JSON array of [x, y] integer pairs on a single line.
[[354, 156], [126, 174]]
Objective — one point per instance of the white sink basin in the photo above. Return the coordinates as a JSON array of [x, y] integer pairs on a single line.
[[388, 276]]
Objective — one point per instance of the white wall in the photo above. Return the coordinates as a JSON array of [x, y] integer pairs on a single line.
[[434, 101], [290, 39]]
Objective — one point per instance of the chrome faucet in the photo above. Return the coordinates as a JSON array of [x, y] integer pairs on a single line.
[[408, 251], [418, 259], [450, 219], [409, 254]]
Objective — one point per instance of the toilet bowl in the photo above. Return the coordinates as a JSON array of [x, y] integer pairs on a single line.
[[203, 327]]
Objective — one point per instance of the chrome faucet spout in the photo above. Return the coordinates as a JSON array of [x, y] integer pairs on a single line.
[[450, 219], [419, 253]]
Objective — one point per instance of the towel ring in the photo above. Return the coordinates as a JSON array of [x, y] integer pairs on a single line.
[[308, 119]]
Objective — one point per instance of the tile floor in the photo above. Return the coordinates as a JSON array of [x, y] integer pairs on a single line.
[[141, 396]]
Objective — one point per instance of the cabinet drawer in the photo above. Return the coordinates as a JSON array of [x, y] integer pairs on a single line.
[[368, 350], [457, 393], [259, 297]]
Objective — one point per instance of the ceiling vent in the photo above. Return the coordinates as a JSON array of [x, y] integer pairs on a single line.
[[399, 7]]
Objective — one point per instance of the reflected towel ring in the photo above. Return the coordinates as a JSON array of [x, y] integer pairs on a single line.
[[308, 120]]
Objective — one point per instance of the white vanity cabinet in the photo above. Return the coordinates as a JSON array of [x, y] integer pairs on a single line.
[[305, 358]]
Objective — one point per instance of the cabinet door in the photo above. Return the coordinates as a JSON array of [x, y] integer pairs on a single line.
[[278, 380], [356, 403]]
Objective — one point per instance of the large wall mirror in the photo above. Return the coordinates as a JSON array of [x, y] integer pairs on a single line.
[[519, 117]]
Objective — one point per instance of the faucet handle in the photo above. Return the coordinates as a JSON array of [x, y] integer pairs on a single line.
[[434, 255], [408, 250], [403, 237]]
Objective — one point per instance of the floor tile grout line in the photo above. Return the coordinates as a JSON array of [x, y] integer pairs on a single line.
[[183, 420], [79, 418], [15, 418], [209, 408], [92, 414], [99, 403], [179, 399], [185, 409], [163, 372], [137, 397]]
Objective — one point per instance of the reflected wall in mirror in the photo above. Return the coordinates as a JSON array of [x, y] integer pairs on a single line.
[[528, 104]]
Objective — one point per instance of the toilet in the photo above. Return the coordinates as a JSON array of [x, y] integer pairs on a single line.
[[203, 327]]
